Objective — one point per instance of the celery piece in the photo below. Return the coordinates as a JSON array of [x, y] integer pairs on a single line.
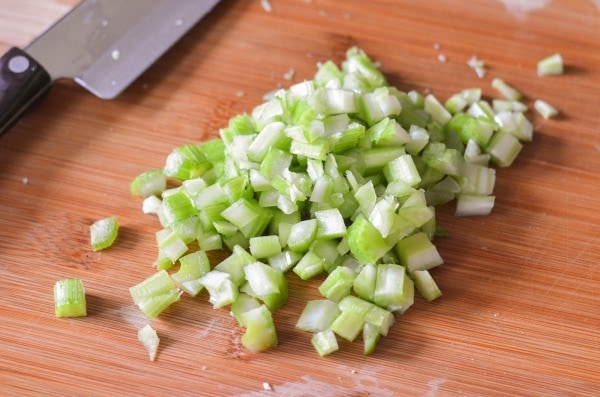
[[469, 127], [170, 245], [477, 179], [324, 342], [154, 294], [388, 132], [365, 281], [545, 109], [338, 101], [309, 266], [238, 187], [69, 298], [155, 305], [149, 338], [248, 217], [209, 241], [234, 264], [474, 155], [371, 335], [151, 205], [365, 241], [322, 190], [500, 105], [267, 283], [148, 183], [103, 233], [275, 161], [317, 315], [437, 155], [551, 65], [285, 260], [265, 246], [270, 136], [419, 137], [375, 159], [417, 252], [188, 228], [348, 325], [357, 61], [338, 283], [186, 162], [328, 72], [191, 268], [317, 149], [505, 90], [516, 124], [330, 224], [242, 304], [389, 287], [221, 289], [503, 149], [437, 111], [473, 204], [211, 196], [382, 215], [302, 235], [327, 250], [260, 332], [426, 285], [481, 109], [402, 168], [366, 198], [157, 284], [177, 206], [370, 312]]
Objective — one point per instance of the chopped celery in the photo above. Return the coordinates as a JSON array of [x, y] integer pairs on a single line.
[[545, 109], [69, 298], [191, 268], [260, 330], [365, 241], [505, 90], [149, 338], [338, 283], [426, 285], [103, 233], [155, 294], [417, 252], [317, 315], [324, 342], [339, 175], [550, 65], [473, 204], [265, 246], [148, 183]]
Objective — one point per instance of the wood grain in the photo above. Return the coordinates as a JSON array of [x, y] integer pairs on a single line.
[[520, 313]]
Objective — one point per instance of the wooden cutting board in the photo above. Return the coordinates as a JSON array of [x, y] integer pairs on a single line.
[[520, 314]]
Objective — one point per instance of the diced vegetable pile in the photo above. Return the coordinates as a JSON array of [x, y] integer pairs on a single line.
[[337, 177]]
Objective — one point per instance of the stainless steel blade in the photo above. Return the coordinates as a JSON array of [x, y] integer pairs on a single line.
[[104, 45]]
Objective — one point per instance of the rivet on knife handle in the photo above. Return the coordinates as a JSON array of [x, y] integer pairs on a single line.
[[22, 81]]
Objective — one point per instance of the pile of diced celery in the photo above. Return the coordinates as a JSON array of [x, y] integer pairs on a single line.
[[336, 177]]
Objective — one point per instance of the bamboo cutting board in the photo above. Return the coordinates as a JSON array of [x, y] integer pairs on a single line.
[[520, 314]]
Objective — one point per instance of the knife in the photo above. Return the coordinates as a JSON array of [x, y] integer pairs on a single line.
[[104, 45]]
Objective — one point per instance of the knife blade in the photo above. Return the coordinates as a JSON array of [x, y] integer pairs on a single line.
[[103, 45]]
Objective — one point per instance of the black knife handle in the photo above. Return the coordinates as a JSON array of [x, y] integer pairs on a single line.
[[22, 81]]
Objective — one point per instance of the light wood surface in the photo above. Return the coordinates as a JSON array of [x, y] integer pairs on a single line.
[[520, 313]]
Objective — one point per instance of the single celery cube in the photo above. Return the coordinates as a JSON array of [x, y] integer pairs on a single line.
[[324, 342], [69, 298], [338, 283], [103, 233], [318, 315], [260, 332], [417, 252]]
